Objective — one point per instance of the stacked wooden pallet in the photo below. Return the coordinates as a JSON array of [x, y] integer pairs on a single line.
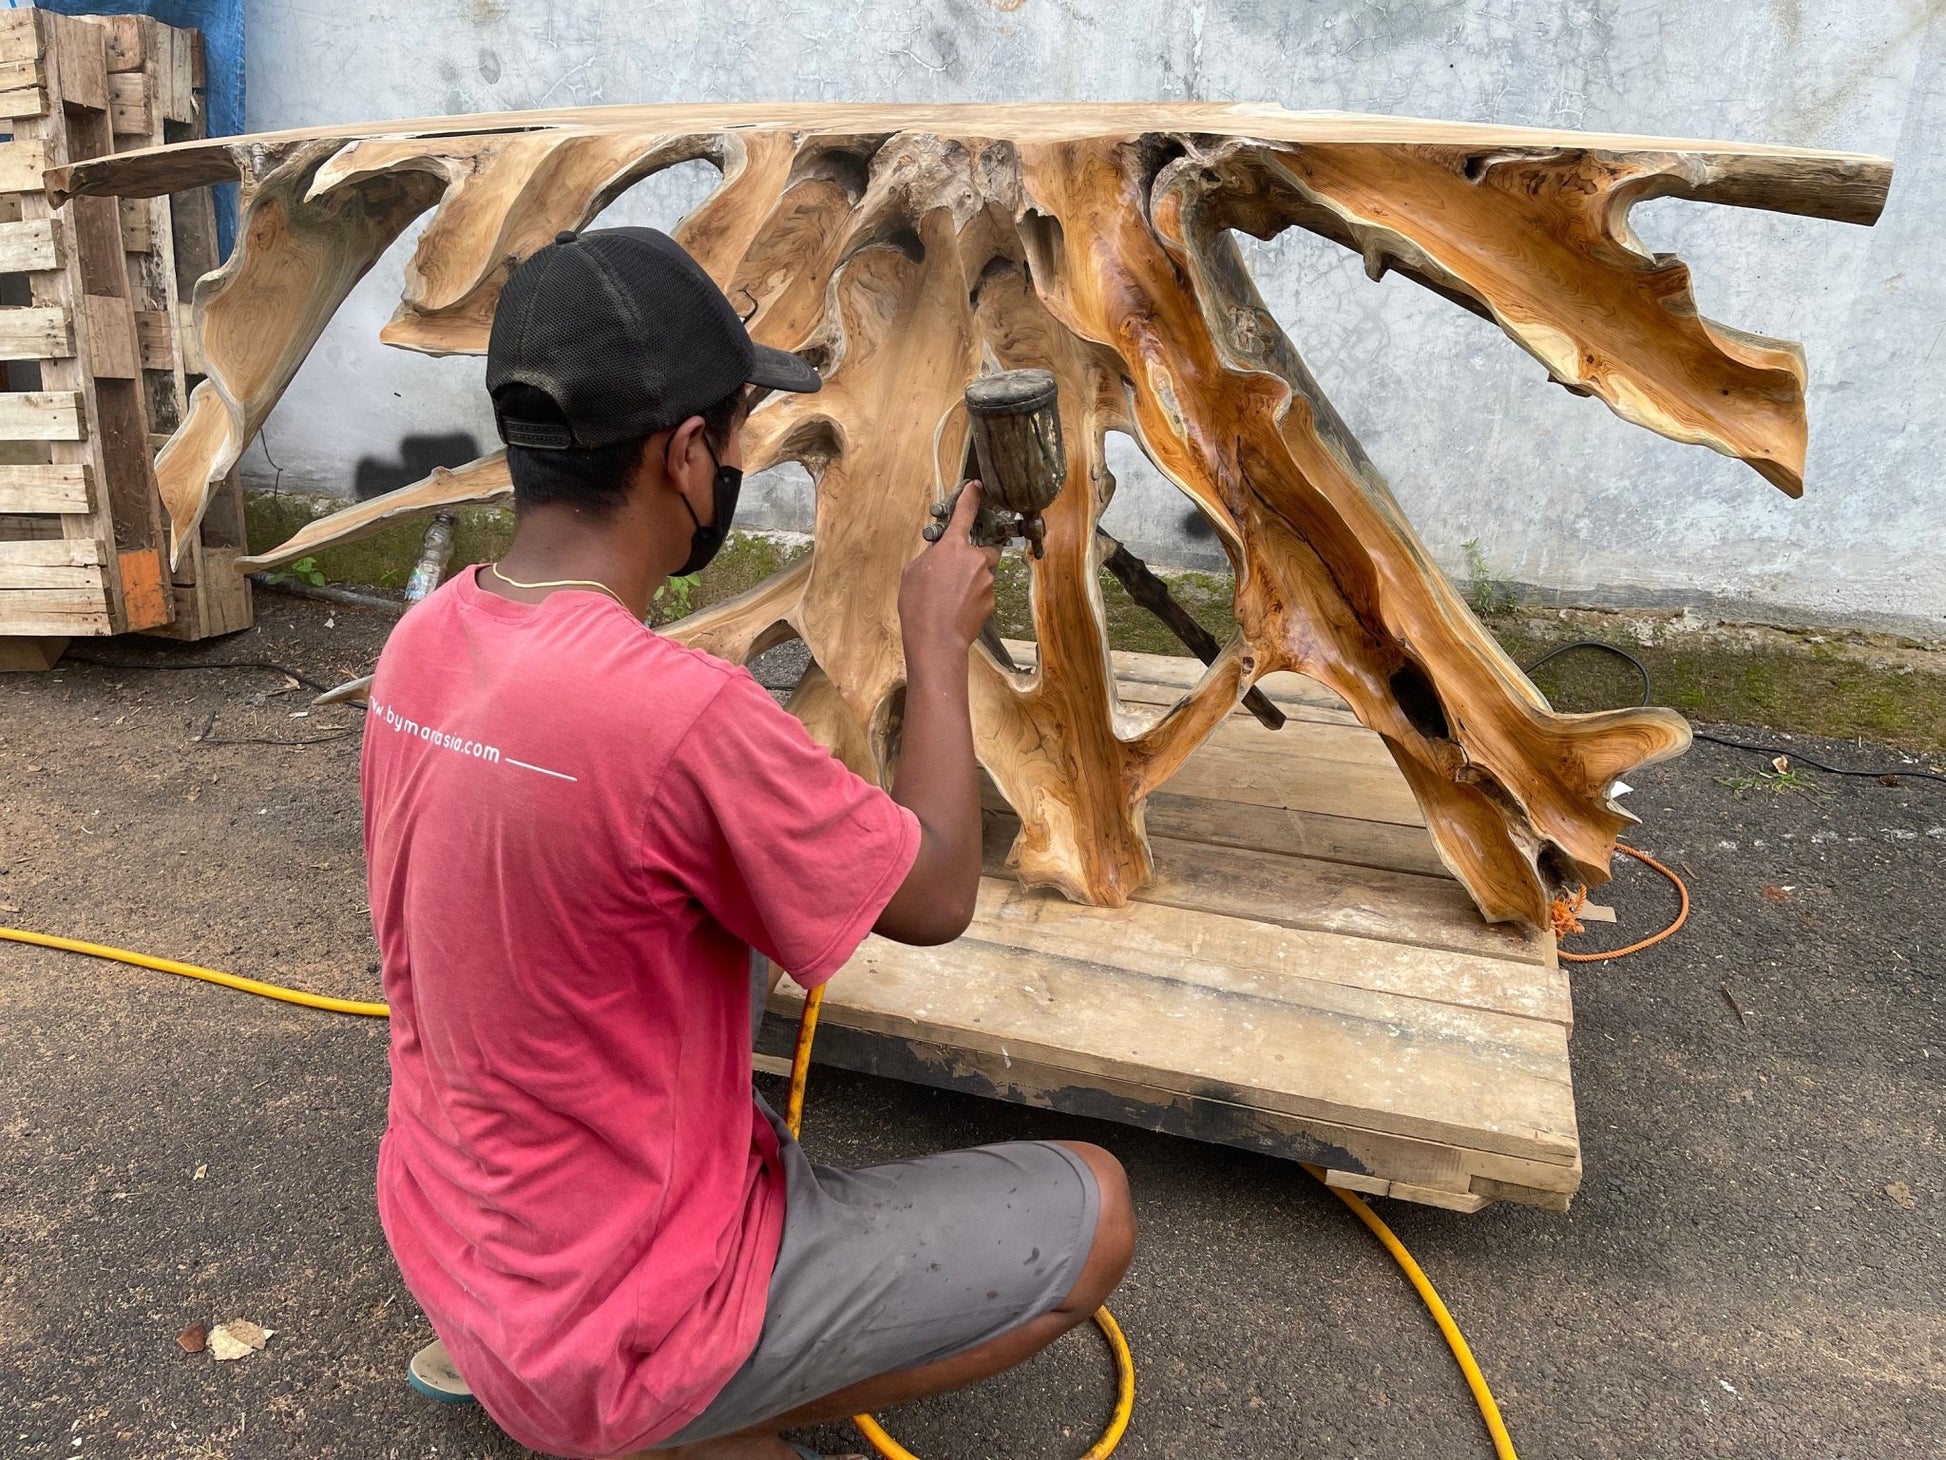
[[96, 345]]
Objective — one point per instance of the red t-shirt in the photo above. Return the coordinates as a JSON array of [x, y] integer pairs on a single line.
[[575, 830]]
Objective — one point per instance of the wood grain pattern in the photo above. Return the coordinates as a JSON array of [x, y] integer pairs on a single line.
[[31, 487], [906, 249]]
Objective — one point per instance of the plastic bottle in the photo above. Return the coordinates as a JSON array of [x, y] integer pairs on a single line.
[[437, 553]]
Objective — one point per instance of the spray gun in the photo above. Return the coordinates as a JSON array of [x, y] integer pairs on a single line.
[[1014, 449]]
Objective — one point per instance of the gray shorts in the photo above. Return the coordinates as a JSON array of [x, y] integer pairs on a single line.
[[891, 1267]]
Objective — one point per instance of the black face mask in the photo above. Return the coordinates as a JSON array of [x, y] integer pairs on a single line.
[[705, 541]]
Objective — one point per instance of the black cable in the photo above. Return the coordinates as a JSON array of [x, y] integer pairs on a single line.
[[1792, 753], [205, 664], [1789, 751], [1648, 685], [276, 482], [208, 739]]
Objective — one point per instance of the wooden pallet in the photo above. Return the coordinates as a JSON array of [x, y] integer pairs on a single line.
[[1302, 978], [89, 333], [155, 80]]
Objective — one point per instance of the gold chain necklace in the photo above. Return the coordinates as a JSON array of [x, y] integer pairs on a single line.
[[494, 568]]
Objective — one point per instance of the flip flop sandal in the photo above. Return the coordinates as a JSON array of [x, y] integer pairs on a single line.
[[432, 1374]]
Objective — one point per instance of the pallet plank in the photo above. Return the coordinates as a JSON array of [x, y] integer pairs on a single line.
[[35, 488], [1280, 775], [33, 243], [1139, 692], [27, 333], [22, 162], [188, 340], [178, 56], [1366, 902], [30, 575], [50, 552], [1180, 673], [126, 41], [79, 54], [1265, 959], [41, 415], [54, 611], [1316, 834], [23, 101], [74, 563], [1406, 1067], [1327, 897], [1379, 844], [19, 40], [1030, 1082]]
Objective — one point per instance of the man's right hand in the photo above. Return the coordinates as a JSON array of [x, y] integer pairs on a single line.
[[945, 598], [946, 593]]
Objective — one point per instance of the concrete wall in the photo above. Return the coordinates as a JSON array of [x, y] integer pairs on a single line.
[[1555, 491]]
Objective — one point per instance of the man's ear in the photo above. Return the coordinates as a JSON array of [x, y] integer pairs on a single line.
[[685, 450]]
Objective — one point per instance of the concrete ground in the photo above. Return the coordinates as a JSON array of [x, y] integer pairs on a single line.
[[1753, 1266]]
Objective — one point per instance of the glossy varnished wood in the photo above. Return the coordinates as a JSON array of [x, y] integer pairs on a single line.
[[907, 250]]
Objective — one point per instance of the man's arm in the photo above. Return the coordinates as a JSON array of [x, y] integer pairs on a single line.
[[945, 596]]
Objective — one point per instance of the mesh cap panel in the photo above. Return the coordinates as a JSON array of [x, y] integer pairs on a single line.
[[627, 335]]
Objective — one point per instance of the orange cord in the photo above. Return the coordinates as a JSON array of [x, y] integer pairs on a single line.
[[1682, 915], [1561, 912]]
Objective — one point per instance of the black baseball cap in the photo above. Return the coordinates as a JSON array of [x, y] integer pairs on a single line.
[[627, 335]]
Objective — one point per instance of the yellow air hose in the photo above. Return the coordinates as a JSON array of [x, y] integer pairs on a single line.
[[891, 1449], [208, 975]]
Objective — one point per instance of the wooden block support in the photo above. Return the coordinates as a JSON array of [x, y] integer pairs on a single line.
[[155, 336], [31, 654], [138, 224], [112, 349], [129, 108]]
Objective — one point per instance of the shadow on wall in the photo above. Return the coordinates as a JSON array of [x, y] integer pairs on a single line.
[[418, 455]]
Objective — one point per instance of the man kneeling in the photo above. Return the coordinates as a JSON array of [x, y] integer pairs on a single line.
[[577, 832]]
